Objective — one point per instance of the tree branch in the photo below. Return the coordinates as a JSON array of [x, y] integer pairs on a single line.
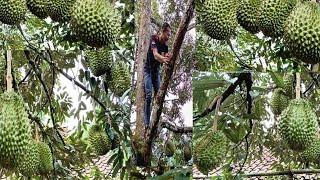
[[176, 129], [230, 90], [32, 64], [271, 173], [249, 83], [80, 85], [287, 172], [158, 24]]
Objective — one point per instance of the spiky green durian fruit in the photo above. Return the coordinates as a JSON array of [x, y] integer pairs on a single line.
[[302, 32], [273, 15], [99, 61], [312, 153], [218, 18], [210, 151], [39, 7], [29, 163], [12, 12], [99, 140], [187, 152], [96, 22], [248, 15], [279, 101], [298, 124], [15, 130], [46, 165], [60, 10], [170, 148], [120, 79]]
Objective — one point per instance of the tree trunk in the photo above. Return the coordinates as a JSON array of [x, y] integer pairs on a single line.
[[144, 30], [141, 54]]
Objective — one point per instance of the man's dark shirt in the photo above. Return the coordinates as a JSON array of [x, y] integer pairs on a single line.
[[151, 62]]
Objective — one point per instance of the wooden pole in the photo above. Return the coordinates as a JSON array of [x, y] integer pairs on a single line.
[[298, 89], [9, 71]]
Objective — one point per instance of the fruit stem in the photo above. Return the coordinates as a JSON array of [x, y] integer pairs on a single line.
[[9, 72], [298, 80], [216, 114]]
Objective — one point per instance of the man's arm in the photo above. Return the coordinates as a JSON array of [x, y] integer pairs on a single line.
[[159, 57]]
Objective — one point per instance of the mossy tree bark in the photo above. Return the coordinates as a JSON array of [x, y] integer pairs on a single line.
[[144, 32], [141, 54]]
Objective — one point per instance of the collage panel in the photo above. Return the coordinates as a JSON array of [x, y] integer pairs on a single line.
[[256, 125], [162, 114], [66, 89]]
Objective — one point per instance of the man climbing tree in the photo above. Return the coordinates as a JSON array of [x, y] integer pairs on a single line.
[[157, 54]]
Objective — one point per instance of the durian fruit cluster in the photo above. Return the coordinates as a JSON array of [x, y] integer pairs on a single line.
[[296, 21], [100, 61], [18, 151], [298, 125], [36, 161], [120, 79], [94, 22], [219, 18], [170, 148], [99, 140], [210, 151]]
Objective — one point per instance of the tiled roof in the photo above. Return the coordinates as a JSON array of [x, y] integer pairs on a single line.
[[100, 163], [263, 164]]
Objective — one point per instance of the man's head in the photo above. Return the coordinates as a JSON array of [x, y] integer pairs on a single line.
[[165, 32]]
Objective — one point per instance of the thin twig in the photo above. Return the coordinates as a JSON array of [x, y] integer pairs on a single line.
[[25, 77]]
